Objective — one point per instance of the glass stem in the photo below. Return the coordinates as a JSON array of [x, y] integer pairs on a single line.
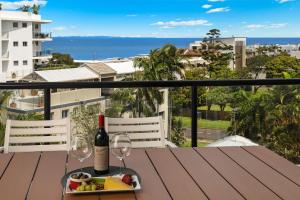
[[120, 168]]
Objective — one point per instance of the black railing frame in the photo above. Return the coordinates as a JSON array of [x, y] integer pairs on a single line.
[[47, 86]]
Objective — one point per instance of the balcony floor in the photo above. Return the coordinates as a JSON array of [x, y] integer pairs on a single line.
[[177, 173]]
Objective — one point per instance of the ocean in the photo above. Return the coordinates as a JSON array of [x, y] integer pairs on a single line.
[[96, 48]]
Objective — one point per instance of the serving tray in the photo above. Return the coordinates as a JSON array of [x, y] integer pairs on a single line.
[[113, 171]]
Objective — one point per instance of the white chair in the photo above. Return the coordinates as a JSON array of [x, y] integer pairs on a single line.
[[28, 136], [143, 132]]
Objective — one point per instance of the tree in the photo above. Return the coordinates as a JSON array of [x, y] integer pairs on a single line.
[[86, 122], [219, 96], [270, 117], [25, 8], [162, 64], [36, 9], [283, 65], [177, 134], [257, 64], [217, 54], [4, 96]]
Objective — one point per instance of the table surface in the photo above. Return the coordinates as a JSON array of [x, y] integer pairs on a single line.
[[179, 173]]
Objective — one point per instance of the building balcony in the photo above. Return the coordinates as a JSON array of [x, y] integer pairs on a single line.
[[5, 36], [5, 56], [42, 36], [42, 55]]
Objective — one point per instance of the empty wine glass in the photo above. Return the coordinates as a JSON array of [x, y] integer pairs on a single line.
[[80, 148], [120, 145]]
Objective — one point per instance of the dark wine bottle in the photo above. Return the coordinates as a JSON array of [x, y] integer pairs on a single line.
[[101, 160]]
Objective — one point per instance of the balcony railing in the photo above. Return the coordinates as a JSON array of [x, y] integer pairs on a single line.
[[5, 36], [42, 53], [48, 86], [42, 35], [5, 55]]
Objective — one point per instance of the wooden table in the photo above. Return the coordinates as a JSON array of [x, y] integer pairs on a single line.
[[179, 173]]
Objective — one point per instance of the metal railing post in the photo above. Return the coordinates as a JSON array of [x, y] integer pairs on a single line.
[[47, 104], [194, 131]]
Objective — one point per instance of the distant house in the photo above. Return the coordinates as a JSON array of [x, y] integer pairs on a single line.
[[239, 50], [63, 101], [104, 72]]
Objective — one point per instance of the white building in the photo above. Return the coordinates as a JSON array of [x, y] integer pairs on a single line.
[[21, 44], [63, 101], [239, 45]]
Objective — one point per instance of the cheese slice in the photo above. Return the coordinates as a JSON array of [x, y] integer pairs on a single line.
[[113, 183]]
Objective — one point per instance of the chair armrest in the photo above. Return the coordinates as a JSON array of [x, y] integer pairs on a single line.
[[1, 149], [170, 144]]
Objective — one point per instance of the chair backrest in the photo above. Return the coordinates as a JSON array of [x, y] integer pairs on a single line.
[[27, 136], [143, 132]]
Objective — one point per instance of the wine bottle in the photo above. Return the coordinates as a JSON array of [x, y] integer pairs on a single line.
[[101, 160]]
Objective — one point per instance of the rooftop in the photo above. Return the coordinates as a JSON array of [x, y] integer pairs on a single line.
[[22, 16], [100, 68], [62, 75]]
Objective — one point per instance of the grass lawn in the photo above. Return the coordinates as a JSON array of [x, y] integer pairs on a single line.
[[215, 108], [201, 143], [203, 123]]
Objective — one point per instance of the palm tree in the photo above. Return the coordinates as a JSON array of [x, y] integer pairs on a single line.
[[36, 9], [162, 64]]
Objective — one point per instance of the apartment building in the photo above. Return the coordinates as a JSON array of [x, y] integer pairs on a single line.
[[239, 45], [21, 44]]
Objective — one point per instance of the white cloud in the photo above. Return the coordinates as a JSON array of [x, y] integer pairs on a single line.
[[18, 4], [266, 26], [206, 6], [284, 1], [216, 0], [217, 10], [173, 24], [131, 15]]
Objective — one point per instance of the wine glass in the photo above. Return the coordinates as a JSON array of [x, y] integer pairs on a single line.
[[80, 148], [120, 145]]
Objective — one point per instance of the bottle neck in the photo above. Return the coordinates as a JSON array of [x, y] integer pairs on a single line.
[[101, 121]]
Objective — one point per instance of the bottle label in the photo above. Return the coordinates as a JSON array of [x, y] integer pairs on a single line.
[[101, 158]]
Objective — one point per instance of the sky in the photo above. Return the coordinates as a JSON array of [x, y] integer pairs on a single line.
[[170, 18]]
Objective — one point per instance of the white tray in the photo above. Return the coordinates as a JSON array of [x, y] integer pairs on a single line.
[[134, 178]]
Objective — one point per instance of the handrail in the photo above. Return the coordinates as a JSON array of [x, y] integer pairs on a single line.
[[143, 84]]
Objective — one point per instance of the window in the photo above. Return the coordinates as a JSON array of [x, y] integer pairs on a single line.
[[16, 44], [36, 43], [64, 114], [15, 25], [25, 62], [24, 44], [24, 25], [36, 26], [16, 63]]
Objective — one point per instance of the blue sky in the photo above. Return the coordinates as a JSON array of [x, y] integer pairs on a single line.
[[173, 18]]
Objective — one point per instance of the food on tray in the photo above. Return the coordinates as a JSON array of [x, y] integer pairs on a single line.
[[124, 182], [114, 183], [92, 185], [80, 177], [127, 179]]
